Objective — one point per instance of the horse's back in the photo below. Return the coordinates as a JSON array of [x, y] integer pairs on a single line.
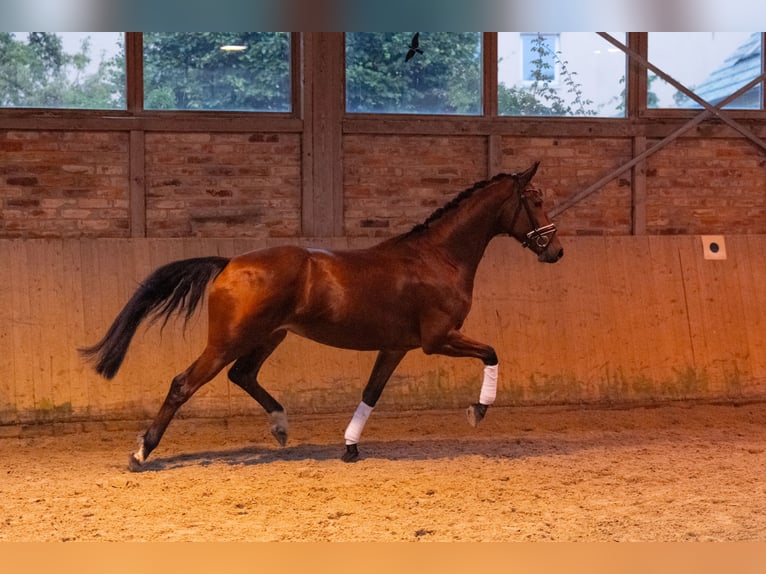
[[345, 298]]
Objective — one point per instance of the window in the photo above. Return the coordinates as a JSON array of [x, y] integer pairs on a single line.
[[62, 70], [713, 65], [217, 71], [443, 74], [538, 61], [566, 74]]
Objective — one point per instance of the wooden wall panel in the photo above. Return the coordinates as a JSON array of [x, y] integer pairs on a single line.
[[7, 337], [618, 319], [752, 280]]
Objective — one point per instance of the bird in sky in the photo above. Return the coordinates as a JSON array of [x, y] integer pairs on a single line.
[[414, 47]]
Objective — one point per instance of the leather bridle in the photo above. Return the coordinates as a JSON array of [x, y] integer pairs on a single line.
[[540, 236]]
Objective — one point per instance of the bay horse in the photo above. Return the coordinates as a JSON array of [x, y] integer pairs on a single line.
[[407, 292]]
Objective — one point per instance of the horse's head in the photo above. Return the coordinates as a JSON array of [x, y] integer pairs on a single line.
[[524, 218]]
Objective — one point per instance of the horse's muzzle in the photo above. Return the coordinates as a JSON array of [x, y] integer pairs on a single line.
[[551, 254]]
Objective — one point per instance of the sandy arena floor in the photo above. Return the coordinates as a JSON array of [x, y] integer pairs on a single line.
[[671, 473]]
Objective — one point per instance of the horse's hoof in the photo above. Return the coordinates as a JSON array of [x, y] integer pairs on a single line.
[[279, 426], [279, 434], [351, 454], [475, 413], [134, 465]]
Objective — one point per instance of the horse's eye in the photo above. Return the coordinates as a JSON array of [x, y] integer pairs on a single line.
[[535, 196]]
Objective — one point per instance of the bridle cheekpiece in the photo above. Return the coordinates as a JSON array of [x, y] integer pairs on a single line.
[[539, 236]]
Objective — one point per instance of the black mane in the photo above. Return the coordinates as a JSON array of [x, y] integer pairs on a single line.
[[455, 202]]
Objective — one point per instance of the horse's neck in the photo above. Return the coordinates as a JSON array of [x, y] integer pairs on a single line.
[[465, 233]]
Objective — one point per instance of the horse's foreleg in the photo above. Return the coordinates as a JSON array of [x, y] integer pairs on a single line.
[[385, 364], [455, 344], [244, 373], [182, 388], [476, 411]]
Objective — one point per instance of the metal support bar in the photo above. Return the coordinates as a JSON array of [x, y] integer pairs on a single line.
[[715, 110], [709, 109]]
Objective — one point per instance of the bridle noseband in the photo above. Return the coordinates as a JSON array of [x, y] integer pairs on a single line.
[[539, 236]]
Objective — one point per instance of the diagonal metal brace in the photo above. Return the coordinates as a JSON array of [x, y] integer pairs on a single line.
[[709, 109], [715, 110]]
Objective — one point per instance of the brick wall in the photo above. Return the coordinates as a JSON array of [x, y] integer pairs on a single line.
[[392, 183], [569, 165], [71, 184], [63, 184], [223, 185], [704, 186]]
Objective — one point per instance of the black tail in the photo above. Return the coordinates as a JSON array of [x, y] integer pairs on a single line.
[[175, 287]]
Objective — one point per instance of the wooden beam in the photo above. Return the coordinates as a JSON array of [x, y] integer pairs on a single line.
[[635, 86], [489, 85], [137, 185], [306, 111], [635, 102], [395, 124], [209, 122], [638, 189], [489, 100], [134, 72], [494, 155], [324, 55]]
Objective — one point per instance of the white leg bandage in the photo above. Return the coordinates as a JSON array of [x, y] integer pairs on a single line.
[[139, 454], [354, 428], [488, 385], [278, 420]]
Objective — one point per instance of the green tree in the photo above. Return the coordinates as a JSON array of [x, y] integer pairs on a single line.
[[444, 79], [652, 99], [540, 98], [190, 71], [36, 72]]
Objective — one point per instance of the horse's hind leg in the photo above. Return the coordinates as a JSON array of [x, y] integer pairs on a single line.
[[244, 374], [184, 385]]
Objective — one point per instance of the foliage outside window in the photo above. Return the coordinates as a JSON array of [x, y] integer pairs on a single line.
[[62, 70], [539, 57], [217, 71], [539, 74], [566, 74], [713, 65], [443, 77]]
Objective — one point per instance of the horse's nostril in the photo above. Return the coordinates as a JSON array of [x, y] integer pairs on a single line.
[[561, 253]]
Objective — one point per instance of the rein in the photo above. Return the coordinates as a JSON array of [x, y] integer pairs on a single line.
[[540, 236]]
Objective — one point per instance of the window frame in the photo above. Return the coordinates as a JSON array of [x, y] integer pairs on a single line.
[[135, 85], [562, 81], [139, 58], [484, 100], [136, 117], [645, 112], [63, 110]]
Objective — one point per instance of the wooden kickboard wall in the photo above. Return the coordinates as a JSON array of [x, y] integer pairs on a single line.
[[618, 320]]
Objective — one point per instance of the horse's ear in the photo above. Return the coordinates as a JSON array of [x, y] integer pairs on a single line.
[[525, 177]]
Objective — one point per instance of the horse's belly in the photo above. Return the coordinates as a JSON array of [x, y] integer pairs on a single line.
[[355, 301], [360, 336]]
